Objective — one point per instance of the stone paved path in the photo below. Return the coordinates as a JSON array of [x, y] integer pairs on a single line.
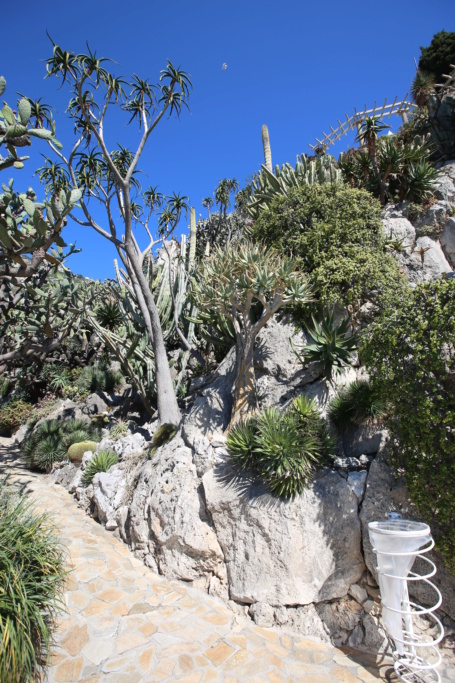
[[126, 624]]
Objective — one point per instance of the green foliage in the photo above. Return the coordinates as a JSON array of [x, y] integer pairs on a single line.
[[97, 378], [13, 414], [332, 345], [32, 578], [268, 185], [101, 462], [404, 168], [118, 430], [162, 435], [241, 443], [437, 58], [109, 315], [77, 450], [50, 441], [283, 448], [335, 232], [359, 403], [410, 355]]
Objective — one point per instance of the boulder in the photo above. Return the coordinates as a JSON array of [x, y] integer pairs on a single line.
[[385, 493], [286, 552], [447, 239], [108, 492], [400, 229], [434, 262], [167, 520], [94, 405], [211, 410], [64, 410], [21, 433], [363, 440], [436, 215], [444, 186]]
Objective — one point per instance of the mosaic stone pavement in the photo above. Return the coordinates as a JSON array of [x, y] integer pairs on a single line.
[[126, 624]]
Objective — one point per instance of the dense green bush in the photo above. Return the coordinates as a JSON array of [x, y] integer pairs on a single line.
[[336, 233], [439, 55], [410, 353], [283, 448], [50, 441], [101, 462], [359, 403], [32, 578], [14, 413]]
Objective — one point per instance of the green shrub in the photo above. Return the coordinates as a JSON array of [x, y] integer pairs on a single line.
[[437, 58], [336, 233], [13, 414], [283, 448], [359, 403], [100, 463], [331, 348], [50, 441], [32, 578], [410, 354], [77, 450]]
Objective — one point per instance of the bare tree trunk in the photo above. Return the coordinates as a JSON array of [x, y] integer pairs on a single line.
[[168, 409], [245, 399]]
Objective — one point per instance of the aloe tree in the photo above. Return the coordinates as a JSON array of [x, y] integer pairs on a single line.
[[113, 178], [369, 135], [233, 282]]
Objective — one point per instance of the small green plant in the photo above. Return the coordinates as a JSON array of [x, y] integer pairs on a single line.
[[286, 455], [283, 448], [13, 414], [359, 403], [241, 442], [97, 378], [118, 430], [100, 463], [50, 441], [32, 578], [332, 345]]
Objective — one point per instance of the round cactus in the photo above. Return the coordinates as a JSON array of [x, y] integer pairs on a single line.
[[77, 450]]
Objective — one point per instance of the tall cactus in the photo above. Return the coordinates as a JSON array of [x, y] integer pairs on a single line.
[[266, 146]]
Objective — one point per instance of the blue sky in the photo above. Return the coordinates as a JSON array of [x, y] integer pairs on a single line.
[[296, 66]]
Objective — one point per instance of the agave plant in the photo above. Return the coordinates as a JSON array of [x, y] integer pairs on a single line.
[[332, 345], [359, 403], [100, 463], [286, 456], [241, 442]]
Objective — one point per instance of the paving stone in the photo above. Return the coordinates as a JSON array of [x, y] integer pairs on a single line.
[[126, 624]]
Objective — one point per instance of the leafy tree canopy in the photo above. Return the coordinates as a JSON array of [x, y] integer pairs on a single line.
[[439, 55], [335, 232]]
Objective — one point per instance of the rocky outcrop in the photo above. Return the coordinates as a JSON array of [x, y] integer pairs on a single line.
[[167, 521], [448, 241], [285, 552]]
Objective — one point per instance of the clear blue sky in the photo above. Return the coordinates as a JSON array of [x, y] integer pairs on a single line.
[[297, 66]]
